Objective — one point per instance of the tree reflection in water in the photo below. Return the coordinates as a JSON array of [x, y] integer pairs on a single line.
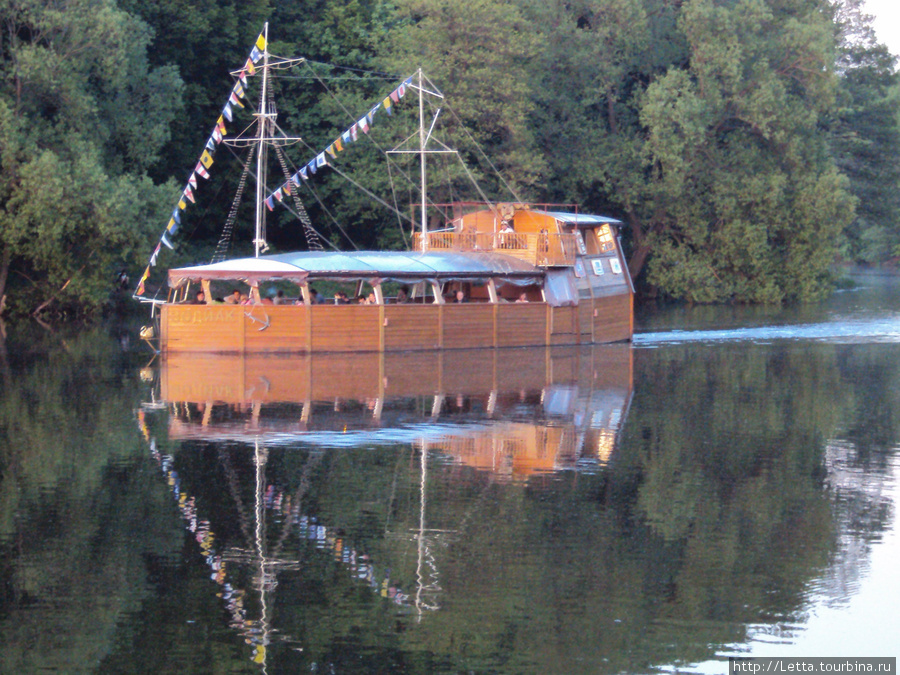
[[548, 526]]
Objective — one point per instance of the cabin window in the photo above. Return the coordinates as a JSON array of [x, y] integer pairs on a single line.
[[578, 268], [615, 266], [605, 238], [579, 240], [593, 244], [597, 266]]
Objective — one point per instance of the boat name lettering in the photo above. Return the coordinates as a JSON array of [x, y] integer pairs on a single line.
[[203, 315]]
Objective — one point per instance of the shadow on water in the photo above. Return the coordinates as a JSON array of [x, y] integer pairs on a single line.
[[598, 511]]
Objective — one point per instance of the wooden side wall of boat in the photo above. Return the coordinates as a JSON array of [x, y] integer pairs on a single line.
[[224, 328]]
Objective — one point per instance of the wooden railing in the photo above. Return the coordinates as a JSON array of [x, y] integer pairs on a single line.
[[542, 249]]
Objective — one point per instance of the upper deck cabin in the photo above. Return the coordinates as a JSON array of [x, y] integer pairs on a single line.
[[542, 235]]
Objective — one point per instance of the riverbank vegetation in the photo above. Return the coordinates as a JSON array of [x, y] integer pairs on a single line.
[[747, 145]]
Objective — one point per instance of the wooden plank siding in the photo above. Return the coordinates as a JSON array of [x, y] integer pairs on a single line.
[[613, 318], [366, 328], [346, 328], [411, 327], [468, 325], [522, 324]]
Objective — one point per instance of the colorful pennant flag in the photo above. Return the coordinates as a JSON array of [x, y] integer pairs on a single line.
[[321, 161], [199, 169], [338, 146], [172, 227], [206, 159], [255, 55], [395, 96], [287, 187], [303, 173], [311, 166], [277, 194], [270, 203], [234, 100], [261, 42], [346, 137], [181, 204], [166, 242], [249, 67], [295, 179], [363, 125], [238, 89], [387, 104], [189, 194], [330, 150], [353, 132], [192, 181], [227, 111]]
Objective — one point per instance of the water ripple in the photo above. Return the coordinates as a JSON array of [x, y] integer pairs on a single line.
[[882, 329]]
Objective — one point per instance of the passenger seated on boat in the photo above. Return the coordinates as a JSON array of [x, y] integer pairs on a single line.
[[340, 298], [523, 297], [245, 299], [461, 297], [402, 295], [199, 298], [279, 298], [360, 300], [371, 299], [234, 298]]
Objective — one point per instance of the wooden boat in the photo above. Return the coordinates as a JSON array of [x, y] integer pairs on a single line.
[[494, 275]]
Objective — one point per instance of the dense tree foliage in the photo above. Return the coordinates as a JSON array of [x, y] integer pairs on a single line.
[[745, 144], [82, 114], [866, 136]]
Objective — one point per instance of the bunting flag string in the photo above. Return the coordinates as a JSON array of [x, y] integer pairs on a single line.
[[237, 93], [351, 135]]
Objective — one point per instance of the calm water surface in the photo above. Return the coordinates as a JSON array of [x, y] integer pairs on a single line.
[[725, 486]]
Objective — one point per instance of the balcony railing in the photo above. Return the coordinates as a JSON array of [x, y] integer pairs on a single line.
[[542, 249]]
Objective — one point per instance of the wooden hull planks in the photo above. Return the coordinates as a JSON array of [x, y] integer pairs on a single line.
[[387, 328]]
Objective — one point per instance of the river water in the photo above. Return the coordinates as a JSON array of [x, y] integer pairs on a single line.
[[725, 486]]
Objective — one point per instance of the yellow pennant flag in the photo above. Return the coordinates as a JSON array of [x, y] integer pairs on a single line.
[[182, 204], [206, 159], [338, 145], [260, 42]]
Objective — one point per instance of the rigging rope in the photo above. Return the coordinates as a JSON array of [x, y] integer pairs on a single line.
[[313, 240], [224, 244]]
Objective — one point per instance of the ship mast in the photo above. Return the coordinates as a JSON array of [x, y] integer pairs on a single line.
[[262, 154], [422, 163]]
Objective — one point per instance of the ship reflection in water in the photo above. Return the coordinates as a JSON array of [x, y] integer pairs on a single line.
[[281, 467], [512, 412]]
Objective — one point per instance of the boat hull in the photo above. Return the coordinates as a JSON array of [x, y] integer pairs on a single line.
[[224, 328]]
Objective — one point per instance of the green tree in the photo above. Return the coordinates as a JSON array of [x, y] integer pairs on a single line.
[[866, 135], [699, 124], [751, 204], [82, 115]]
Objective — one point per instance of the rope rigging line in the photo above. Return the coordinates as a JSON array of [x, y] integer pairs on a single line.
[[484, 156], [313, 239], [224, 244]]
